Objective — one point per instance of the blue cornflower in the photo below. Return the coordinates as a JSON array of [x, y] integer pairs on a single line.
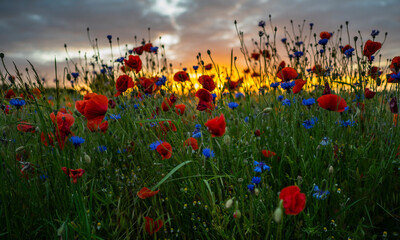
[[395, 76], [43, 177], [50, 98], [274, 85], [311, 25], [184, 69], [161, 81], [123, 150], [154, 50], [280, 97], [291, 56], [349, 52], [239, 95], [288, 85], [214, 96], [17, 102], [197, 126], [260, 167], [283, 40], [299, 43], [374, 33], [208, 153], [120, 60], [154, 145], [77, 141], [308, 102], [102, 148], [136, 106], [307, 124], [250, 187], [233, 105], [325, 141], [286, 102], [114, 117], [372, 58], [319, 194], [195, 67], [321, 51], [308, 69], [323, 41], [256, 180], [196, 135], [75, 75], [261, 23], [109, 37], [298, 54], [130, 51], [103, 71], [347, 123], [246, 119]]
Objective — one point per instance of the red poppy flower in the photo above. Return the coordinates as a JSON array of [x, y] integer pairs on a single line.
[[138, 50], [299, 83], [208, 66], [180, 109], [147, 47], [268, 153], [255, 56], [395, 64], [192, 142], [325, 35], [149, 86], [123, 83], [153, 226], [266, 54], [26, 127], [134, 63], [94, 109], [294, 201], [165, 150], [368, 93], [204, 94], [181, 76], [93, 127], [281, 66], [207, 82], [347, 47], [257, 132], [167, 126], [317, 69], [332, 102], [146, 193], [235, 84], [64, 122], [37, 92], [172, 98], [44, 141], [370, 48], [10, 94], [374, 72], [216, 126], [166, 104], [73, 173], [112, 103], [287, 74], [203, 105]]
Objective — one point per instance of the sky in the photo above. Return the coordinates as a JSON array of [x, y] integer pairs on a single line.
[[37, 30]]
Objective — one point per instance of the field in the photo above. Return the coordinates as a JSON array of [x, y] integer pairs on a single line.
[[304, 147]]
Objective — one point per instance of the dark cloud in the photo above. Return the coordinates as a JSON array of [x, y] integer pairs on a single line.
[[37, 30]]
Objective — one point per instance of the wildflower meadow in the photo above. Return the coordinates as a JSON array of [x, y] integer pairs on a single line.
[[299, 144]]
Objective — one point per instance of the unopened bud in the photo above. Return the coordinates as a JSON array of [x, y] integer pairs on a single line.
[[87, 158], [227, 139], [278, 214], [237, 214], [331, 169], [229, 203], [256, 191], [19, 149]]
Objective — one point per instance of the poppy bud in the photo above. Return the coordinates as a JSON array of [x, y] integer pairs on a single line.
[[256, 191], [331, 169], [237, 214], [278, 213], [229, 203], [37, 129], [2, 55], [87, 158], [227, 139]]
